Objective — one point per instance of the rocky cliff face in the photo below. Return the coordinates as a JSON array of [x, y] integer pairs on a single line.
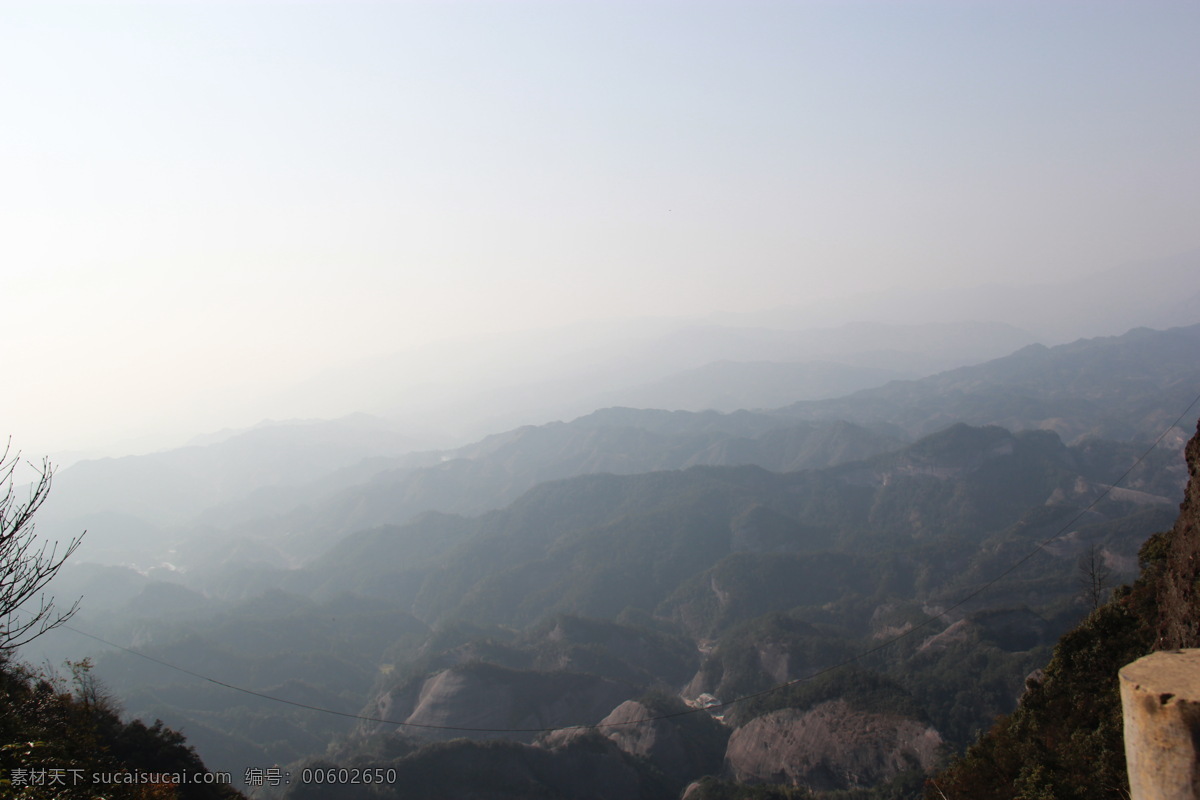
[[658, 741], [1178, 601], [832, 746]]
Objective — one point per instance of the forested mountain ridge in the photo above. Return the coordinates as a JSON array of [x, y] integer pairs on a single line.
[[641, 536]]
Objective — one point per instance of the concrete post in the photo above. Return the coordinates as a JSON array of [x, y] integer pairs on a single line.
[[1160, 698]]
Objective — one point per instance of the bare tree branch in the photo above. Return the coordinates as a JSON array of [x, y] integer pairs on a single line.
[[27, 565], [1094, 575]]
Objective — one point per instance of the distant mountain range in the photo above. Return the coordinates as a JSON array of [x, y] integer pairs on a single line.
[[1119, 387], [575, 572], [297, 487], [716, 581], [128, 503], [595, 545], [732, 385], [475, 388]]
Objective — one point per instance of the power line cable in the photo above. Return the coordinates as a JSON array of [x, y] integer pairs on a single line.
[[1038, 548]]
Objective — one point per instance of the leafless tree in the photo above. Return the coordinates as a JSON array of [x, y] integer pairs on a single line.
[[27, 564], [1094, 576]]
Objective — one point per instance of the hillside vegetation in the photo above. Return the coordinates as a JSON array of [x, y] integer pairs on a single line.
[[1065, 739], [69, 742]]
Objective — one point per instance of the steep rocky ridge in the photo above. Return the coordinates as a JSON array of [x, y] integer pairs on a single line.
[[1178, 600]]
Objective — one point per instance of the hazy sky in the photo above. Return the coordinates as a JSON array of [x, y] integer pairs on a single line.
[[199, 200]]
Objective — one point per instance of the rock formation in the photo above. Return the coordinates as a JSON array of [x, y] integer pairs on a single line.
[[832, 746]]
